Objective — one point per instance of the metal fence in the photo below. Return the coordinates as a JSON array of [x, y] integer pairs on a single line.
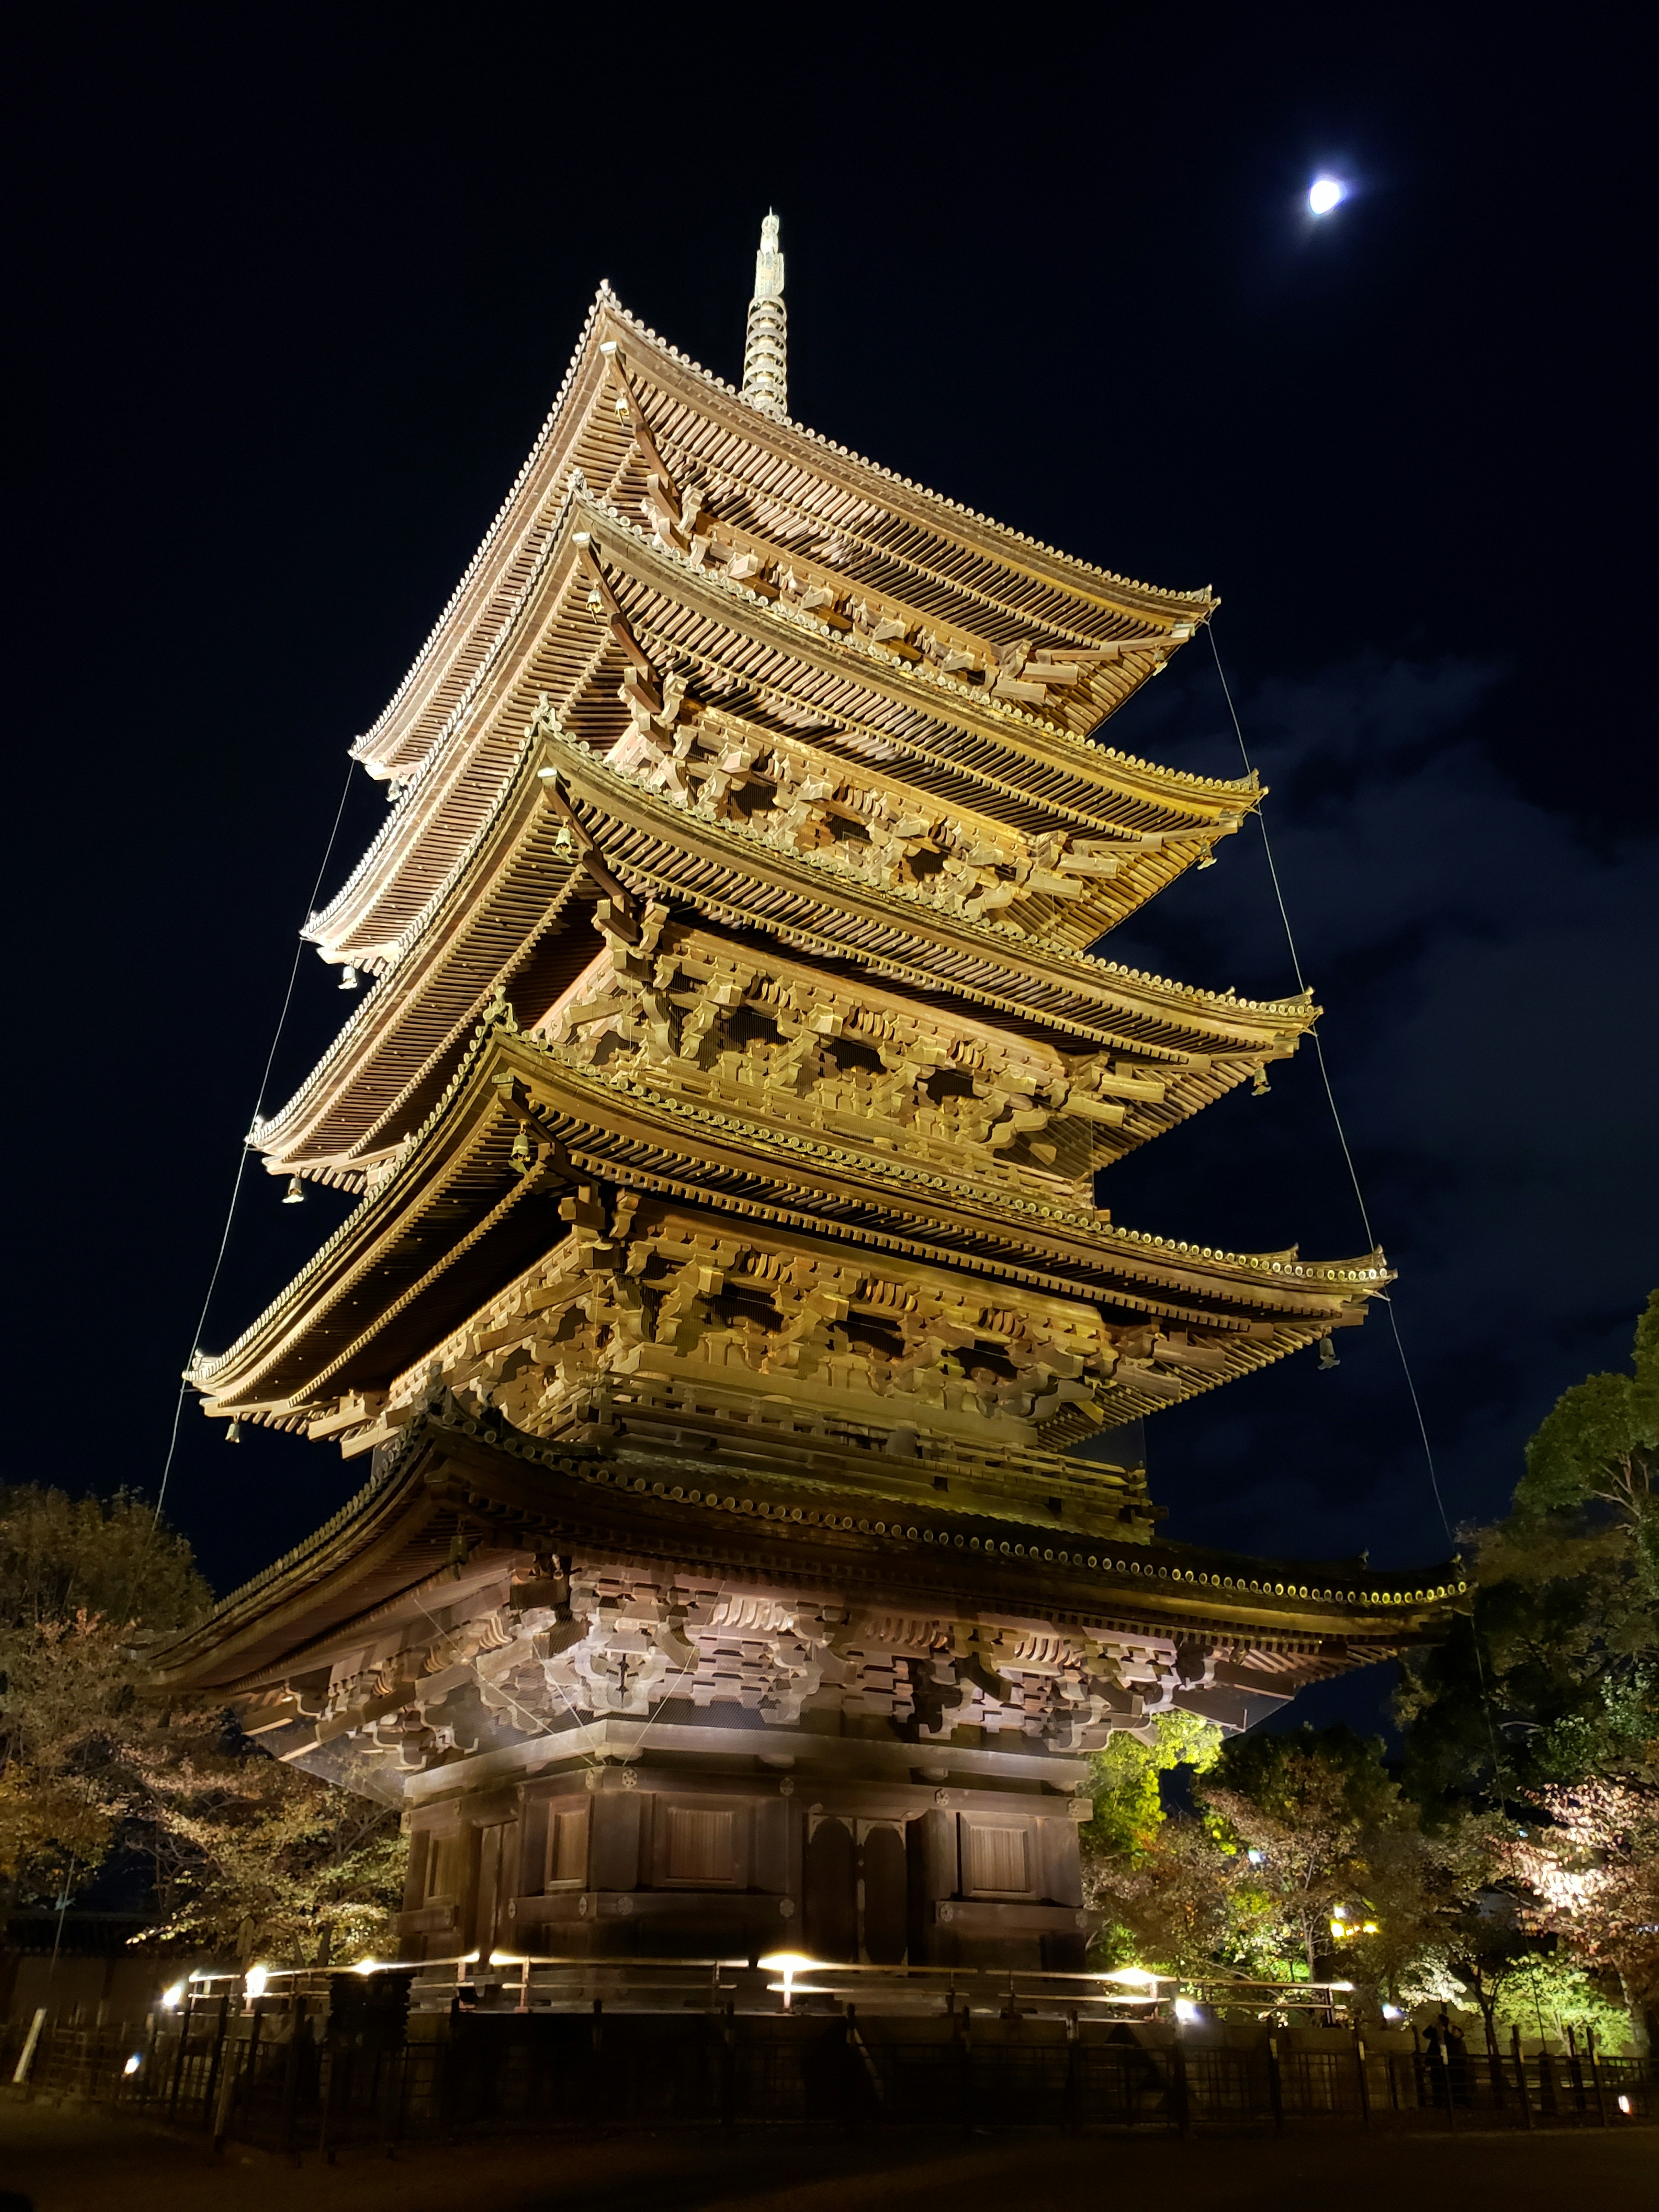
[[293, 2075]]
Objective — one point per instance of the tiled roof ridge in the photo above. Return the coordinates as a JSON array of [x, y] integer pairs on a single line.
[[1201, 597], [1220, 1001], [1158, 1560], [1006, 709], [605, 298], [1368, 1266], [515, 781]]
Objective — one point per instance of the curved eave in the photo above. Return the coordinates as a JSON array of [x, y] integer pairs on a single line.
[[435, 984], [657, 848], [389, 1283], [957, 751], [1022, 750], [512, 880], [695, 408], [452, 1475]]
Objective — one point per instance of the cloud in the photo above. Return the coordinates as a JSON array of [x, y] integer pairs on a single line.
[[1486, 971]]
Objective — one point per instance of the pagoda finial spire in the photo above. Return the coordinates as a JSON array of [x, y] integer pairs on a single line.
[[765, 352]]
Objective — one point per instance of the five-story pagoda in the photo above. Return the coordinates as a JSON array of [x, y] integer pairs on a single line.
[[726, 1293]]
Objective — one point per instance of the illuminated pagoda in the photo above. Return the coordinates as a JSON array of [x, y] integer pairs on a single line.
[[726, 1300]]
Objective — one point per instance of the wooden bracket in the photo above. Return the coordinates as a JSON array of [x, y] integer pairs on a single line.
[[511, 1091], [621, 629], [625, 907], [642, 436]]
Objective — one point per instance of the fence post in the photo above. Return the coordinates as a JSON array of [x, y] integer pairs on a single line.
[[327, 2055], [1546, 2100], [152, 2034], [31, 2041], [1276, 2086], [178, 2059], [1595, 2075], [729, 2065], [215, 2066], [1178, 2083], [299, 2025], [1364, 2085], [1518, 2057]]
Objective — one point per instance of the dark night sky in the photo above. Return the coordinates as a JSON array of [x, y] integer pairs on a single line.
[[289, 302]]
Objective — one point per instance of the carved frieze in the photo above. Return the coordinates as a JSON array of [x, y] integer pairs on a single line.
[[800, 799], [693, 1015], [505, 1666]]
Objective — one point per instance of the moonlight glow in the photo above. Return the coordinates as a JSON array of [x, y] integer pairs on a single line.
[[1324, 194]]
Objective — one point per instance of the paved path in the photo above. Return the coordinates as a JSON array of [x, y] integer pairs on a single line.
[[69, 2161]]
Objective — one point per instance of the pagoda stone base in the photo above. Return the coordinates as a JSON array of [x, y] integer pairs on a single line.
[[826, 1846]]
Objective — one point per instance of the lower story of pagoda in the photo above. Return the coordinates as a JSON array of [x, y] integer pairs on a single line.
[[635, 1705]]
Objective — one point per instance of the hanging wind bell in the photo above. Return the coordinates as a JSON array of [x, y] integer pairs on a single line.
[[1327, 1358], [296, 1192], [348, 978], [234, 1433], [1260, 1087], [521, 1155]]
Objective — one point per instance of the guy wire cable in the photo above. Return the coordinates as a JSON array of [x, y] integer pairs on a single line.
[[1359, 1196], [1330, 1095], [242, 1163]]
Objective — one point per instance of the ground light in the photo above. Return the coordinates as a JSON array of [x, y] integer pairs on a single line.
[[1324, 194], [256, 1981], [788, 1963], [1186, 2011], [134, 2063], [173, 1997]]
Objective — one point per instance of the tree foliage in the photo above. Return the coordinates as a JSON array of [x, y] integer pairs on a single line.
[[239, 1852], [1515, 1854]]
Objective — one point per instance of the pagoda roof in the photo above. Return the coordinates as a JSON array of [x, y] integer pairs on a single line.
[[895, 536], [389, 1284], [517, 905], [457, 1490], [856, 701]]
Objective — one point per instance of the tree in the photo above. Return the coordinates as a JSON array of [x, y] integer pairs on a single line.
[[1590, 1873], [1124, 1781], [77, 1579], [243, 1853], [1599, 1445], [1554, 1676], [1320, 1826], [1161, 1896], [1542, 1708], [1543, 1990]]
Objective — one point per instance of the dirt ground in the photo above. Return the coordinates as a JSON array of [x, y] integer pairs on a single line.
[[60, 2160]]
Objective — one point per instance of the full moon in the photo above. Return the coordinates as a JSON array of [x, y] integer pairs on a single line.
[[1324, 193]]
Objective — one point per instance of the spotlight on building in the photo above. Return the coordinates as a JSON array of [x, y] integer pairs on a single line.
[[788, 1963]]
